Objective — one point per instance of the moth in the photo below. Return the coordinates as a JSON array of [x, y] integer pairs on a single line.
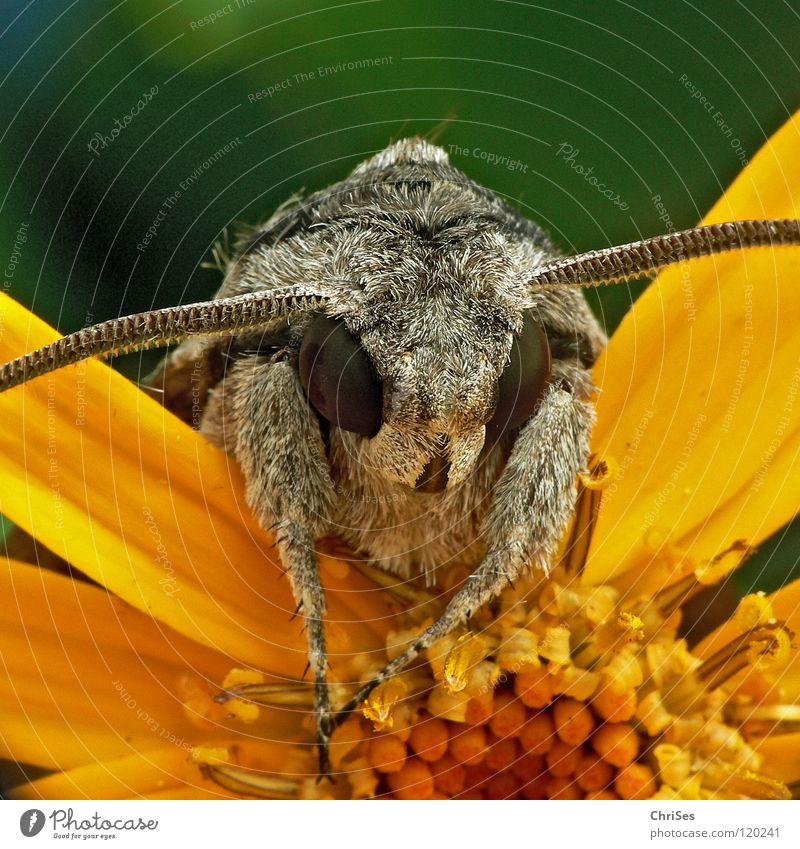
[[401, 360]]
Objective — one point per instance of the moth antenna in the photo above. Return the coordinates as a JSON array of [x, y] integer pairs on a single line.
[[621, 263], [157, 328]]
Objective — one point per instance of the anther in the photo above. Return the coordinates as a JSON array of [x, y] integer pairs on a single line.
[[765, 644]]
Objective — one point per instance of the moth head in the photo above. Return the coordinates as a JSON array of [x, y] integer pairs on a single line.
[[425, 415], [427, 410]]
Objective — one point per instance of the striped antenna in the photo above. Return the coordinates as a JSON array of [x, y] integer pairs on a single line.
[[157, 328], [622, 263]]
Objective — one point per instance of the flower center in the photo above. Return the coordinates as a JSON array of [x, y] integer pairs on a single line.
[[558, 690]]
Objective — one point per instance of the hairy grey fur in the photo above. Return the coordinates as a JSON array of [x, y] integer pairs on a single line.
[[429, 270]]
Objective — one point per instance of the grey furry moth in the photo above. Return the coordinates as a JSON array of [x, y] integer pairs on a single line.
[[401, 360]]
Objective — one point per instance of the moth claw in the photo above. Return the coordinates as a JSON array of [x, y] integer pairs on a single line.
[[325, 727]]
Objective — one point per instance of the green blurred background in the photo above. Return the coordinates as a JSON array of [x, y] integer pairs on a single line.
[[621, 84]]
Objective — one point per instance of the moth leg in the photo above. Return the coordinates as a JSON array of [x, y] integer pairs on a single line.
[[260, 414], [296, 547], [530, 509]]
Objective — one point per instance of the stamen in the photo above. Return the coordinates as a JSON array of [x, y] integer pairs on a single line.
[[721, 565], [363, 780], [242, 710], [299, 694], [670, 598], [753, 610], [612, 634], [771, 651], [744, 783], [381, 702], [601, 472], [576, 549], [623, 672], [674, 763], [555, 645], [599, 603], [240, 677], [467, 652], [447, 705], [214, 763], [769, 644], [404, 590], [778, 719], [632, 627], [669, 662], [653, 714], [248, 783], [210, 755], [482, 680], [575, 682], [518, 647]]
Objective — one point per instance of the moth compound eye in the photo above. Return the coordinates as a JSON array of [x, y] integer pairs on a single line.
[[339, 378], [524, 380]]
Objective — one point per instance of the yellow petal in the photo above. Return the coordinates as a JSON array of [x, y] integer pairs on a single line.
[[700, 390], [86, 677], [109, 480], [165, 772], [781, 755]]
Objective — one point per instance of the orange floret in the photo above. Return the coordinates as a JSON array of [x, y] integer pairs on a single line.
[[562, 788], [413, 781], [478, 777], [599, 795], [614, 707], [528, 767], [636, 781], [468, 746], [536, 788], [387, 753], [429, 738], [503, 786], [573, 721], [592, 773], [616, 743], [502, 754], [449, 777], [538, 734], [509, 715], [562, 759], [479, 710], [534, 687]]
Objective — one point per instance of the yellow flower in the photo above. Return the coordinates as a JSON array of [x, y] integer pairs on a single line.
[[181, 674]]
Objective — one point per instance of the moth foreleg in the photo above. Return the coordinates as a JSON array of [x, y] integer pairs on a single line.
[[530, 510], [260, 414]]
